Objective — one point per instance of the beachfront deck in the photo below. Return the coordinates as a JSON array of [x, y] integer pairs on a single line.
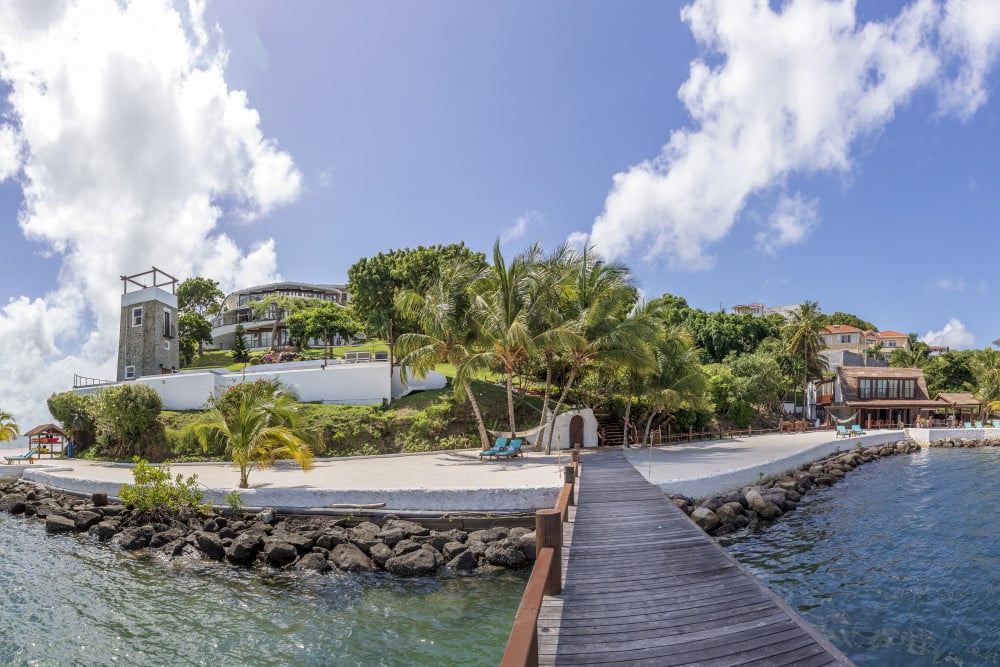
[[644, 585]]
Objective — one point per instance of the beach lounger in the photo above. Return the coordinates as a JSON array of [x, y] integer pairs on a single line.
[[996, 423], [29, 457], [979, 424], [856, 429], [498, 446], [513, 450], [968, 424], [842, 432]]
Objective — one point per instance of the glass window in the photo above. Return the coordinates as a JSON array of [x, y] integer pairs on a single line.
[[137, 316]]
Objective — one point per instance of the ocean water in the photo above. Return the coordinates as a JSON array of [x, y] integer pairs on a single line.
[[67, 600], [899, 564]]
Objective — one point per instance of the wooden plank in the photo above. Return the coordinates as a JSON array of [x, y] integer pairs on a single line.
[[644, 585]]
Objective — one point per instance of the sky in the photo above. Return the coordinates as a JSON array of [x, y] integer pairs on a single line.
[[728, 152]]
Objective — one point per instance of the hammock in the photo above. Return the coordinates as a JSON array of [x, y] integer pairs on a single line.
[[520, 434], [843, 421]]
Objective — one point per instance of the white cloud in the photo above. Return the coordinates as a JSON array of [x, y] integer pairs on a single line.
[[970, 35], [954, 335], [10, 152], [791, 220], [949, 284], [793, 91], [133, 148], [578, 240], [520, 226]]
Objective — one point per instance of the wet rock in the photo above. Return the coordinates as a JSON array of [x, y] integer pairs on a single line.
[[136, 537], [59, 524], [404, 547], [487, 536], [165, 537], [518, 532], [350, 558], [453, 549], [391, 536], [409, 528], [278, 552], [332, 538], [210, 545], [412, 564], [380, 553], [313, 562], [526, 543], [14, 503], [706, 519], [463, 561], [84, 520], [506, 552], [245, 548], [104, 530]]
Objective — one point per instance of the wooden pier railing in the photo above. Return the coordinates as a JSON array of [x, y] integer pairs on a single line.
[[546, 576]]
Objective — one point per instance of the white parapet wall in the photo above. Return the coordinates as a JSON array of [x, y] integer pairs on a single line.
[[926, 436]]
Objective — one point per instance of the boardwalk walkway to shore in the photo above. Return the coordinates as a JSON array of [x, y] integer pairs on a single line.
[[644, 585]]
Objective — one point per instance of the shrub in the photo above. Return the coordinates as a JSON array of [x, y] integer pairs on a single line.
[[154, 493], [128, 413]]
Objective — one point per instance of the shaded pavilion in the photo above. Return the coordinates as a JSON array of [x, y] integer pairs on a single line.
[[47, 439]]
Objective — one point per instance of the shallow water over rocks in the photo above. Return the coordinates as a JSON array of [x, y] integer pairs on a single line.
[[70, 600], [899, 564]]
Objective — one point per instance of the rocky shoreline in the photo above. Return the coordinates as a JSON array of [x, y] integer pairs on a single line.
[[967, 442], [774, 497], [319, 544]]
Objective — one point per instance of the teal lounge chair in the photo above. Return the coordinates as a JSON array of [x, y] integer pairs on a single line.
[[513, 450], [979, 424], [498, 446], [29, 457], [968, 424], [996, 423], [856, 429], [842, 432]]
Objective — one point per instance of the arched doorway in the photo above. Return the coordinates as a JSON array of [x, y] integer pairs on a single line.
[[576, 431]]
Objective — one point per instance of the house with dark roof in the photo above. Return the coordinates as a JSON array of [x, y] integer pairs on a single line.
[[879, 397]]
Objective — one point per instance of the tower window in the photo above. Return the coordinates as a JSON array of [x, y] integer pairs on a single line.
[[130, 372], [137, 316]]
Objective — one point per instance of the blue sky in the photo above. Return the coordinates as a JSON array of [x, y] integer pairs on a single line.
[[775, 153]]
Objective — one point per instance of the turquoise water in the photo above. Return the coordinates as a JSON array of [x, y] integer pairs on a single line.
[[67, 600], [899, 564]]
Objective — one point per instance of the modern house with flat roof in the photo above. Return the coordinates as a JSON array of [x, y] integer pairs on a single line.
[[242, 307], [760, 310]]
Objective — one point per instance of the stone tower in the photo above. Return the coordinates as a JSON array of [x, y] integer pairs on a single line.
[[147, 334]]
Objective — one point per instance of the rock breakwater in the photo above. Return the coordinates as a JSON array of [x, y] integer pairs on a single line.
[[966, 442], [319, 544], [772, 498]]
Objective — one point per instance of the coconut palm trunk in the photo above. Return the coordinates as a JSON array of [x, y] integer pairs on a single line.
[[559, 403], [480, 424], [543, 424], [510, 402]]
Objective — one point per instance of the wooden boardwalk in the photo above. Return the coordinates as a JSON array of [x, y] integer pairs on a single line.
[[644, 585]]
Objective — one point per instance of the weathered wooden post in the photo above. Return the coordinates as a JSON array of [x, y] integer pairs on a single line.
[[569, 477], [574, 456], [548, 534]]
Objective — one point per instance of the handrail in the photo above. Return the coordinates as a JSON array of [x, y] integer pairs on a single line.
[[546, 577]]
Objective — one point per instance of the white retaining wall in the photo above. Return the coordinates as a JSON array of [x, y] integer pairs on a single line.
[[928, 435]]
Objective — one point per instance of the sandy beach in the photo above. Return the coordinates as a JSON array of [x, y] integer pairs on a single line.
[[458, 481]]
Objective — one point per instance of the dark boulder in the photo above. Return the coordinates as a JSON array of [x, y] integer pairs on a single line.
[[55, 523], [313, 562], [380, 553], [136, 537], [245, 548], [412, 564], [84, 520], [104, 530], [14, 503], [210, 545], [506, 553], [350, 558], [463, 561], [487, 536], [278, 552]]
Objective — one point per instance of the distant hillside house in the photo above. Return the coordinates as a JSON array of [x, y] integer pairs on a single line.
[[238, 308], [890, 341], [843, 337], [760, 310], [938, 350]]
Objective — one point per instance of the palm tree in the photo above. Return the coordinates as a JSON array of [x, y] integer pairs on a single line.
[[804, 342], [500, 315], [257, 431], [442, 312], [678, 380], [551, 289], [915, 358], [609, 339], [986, 371], [8, 427]]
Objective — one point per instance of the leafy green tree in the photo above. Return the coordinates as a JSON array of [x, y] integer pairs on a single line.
[[279, 306], [199, 295], [375, 281], [951, 371], [257, 432], [323, 322], [759, 381], [803, 341], [8, 427], [848, 319], [193, 330], [442, 311], [128, 413], [76, 414], [241, 354]]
